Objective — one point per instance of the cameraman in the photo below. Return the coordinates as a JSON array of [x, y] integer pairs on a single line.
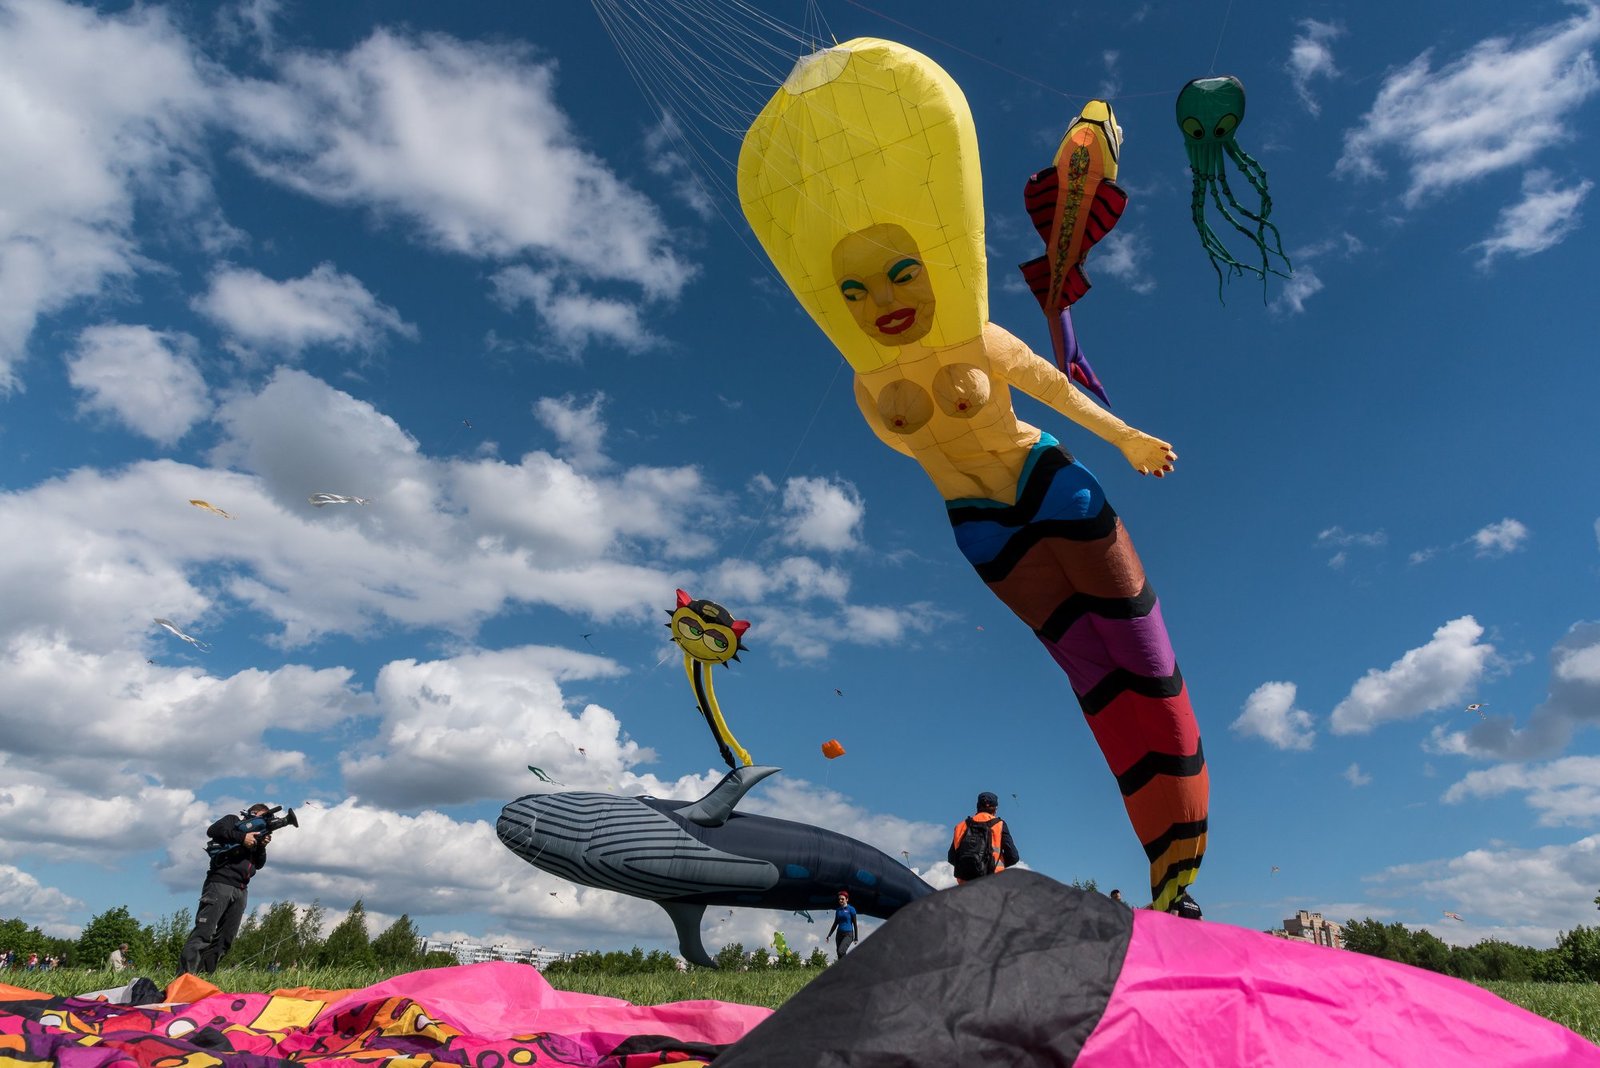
[[223, 897]]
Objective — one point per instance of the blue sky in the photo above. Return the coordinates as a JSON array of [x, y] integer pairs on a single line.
[[450, 261]]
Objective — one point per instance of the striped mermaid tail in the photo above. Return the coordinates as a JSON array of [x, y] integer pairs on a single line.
[[1062, 561]]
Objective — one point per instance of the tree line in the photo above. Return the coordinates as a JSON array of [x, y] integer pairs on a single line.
[[1575, 958], [283, 936]]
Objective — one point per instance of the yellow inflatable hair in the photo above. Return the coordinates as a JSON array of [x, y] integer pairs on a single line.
[[866, 133]]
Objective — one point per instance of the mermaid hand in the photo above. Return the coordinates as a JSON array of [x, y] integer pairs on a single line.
[[1148, 455]]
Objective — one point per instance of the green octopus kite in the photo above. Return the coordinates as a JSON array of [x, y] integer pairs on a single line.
[[1209, 111]]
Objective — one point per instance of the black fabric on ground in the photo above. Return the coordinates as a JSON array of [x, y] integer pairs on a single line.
[[1013, 969]]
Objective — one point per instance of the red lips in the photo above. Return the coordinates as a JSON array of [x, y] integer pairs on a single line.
[[896, 322]]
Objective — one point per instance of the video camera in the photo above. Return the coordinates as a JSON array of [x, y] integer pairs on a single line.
[[265, 823]]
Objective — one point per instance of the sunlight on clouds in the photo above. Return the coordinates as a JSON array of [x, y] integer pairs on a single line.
[[580, 429], [98, 823], [1433, 676], [465, 141], [800, 577], [465, 729], [1269, 714], [1573, 702], [1123, 254], [1565, 791], [145, 379], [1535, 894], [176, 724], [325, 307], [44, 906], [1498, 539], [1543, 219], [575, 316], [1495, 108], [94, 111], [822, 513], [1311, 56]]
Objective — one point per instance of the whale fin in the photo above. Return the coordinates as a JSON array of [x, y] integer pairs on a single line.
[[686, 921], [714, 809]]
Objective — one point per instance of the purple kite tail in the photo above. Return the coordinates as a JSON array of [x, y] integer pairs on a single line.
[[1071, 360]]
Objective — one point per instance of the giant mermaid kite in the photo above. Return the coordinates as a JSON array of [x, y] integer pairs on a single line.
[[860, 178]]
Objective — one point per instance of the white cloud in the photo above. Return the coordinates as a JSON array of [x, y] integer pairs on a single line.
[[809, 635], [1573, 702], [1581, 665], [1544, 217], [580, 429], [466, 143], [1311, 56], [1123, 255], [1355, 776], [1301, 286], [466, 729], [799, 577], [575, 316], [1495, 108], [44, 906], [146, 380], [1269, 714], [1565, 791], [1436, 675], [1344, 540], [1525, 896], [822, 513], [325, 307], [1498, 539], [98, 114]]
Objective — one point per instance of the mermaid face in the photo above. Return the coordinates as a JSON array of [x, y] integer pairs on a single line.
[[881, 276]]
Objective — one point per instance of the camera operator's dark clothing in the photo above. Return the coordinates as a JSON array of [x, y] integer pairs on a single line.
[[223, 898], [235, 867]]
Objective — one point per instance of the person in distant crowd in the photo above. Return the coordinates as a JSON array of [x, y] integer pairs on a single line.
[[118, 961], [1185, 906], [33, 962], [225, 893], [844, 922], [1116, 895], [981, 844]]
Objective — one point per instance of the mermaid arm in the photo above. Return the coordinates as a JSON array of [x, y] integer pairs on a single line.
[[869, 412], [1042, 380]]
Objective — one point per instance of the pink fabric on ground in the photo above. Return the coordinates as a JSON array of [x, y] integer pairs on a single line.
[[496, 999], [1202, 994]]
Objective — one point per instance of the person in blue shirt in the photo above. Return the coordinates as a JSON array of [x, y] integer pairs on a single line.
[[844, 921]]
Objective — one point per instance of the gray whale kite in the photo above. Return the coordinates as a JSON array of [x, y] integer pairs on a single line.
[[686, 855]]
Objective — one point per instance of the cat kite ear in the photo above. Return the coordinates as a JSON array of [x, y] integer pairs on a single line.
[[739, 626], [683, 599]]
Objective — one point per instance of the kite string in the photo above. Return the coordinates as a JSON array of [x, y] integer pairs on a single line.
[[1000, 66], [1218, 51]]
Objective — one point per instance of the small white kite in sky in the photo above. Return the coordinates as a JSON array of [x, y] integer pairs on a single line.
[[1274, 870], [208, 506], [1478, 709], [173, 627], [320, 499]]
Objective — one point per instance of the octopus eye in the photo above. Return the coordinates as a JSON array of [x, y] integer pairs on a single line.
[[1226, 125], [1193, 127]]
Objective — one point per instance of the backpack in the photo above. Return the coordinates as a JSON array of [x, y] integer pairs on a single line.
[[975, 853]]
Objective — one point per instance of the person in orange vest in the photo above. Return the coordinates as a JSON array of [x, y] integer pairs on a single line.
[[981, 844]]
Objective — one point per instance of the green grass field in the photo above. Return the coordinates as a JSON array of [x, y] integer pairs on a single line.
[[1574, 1005]]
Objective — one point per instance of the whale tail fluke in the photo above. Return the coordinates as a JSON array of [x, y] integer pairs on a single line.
[[686, 921]]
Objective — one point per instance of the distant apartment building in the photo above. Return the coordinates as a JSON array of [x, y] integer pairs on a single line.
[[1311, 927], [472, 953]]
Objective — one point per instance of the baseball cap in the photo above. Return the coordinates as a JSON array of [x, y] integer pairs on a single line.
[[986, 798]]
